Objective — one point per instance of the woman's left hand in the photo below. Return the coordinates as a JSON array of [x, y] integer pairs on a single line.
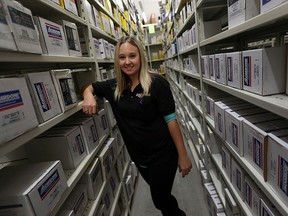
[[184, 165]]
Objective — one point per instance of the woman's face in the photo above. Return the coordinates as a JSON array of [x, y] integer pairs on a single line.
[[129, 59]]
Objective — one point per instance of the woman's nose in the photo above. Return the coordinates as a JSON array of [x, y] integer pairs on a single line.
[[127, 61]]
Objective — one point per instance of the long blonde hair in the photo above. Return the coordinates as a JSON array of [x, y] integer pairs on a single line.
[[121, 78]]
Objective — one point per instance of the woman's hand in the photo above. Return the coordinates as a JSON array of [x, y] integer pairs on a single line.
[[89, 105], [184, 165]]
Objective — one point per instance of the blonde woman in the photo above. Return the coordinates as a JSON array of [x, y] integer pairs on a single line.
[[144, 108]]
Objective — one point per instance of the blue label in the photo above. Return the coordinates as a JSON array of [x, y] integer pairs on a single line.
[[10, 99], [265, 2], [247, 71], [20, 18], [42, 96], [53, 31], [257, 147], [248, 195], [49, 184], [283, 175]]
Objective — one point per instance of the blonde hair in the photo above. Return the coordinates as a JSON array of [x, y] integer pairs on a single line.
[[121, 78]]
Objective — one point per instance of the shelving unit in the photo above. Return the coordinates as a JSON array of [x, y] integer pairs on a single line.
[[184, 68], [85, 69]]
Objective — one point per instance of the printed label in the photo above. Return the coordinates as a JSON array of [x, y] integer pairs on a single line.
[[48, 185], [94, 133], [12, 118], [247, 71], [234, 134], [257, 149], [66, 91], [283, 174], [53, 31], [20, 18], [229, 69], [42, 96], [104, 122], [72, 39], [211, 67], [236, 7], [10, 99], [79, 143], [217, 68], [248, 195]]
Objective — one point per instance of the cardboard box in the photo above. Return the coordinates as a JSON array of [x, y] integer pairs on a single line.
[[226, 161], [90, 12], [69, 5], [238, 177], [268, 5], [220, 68], [6, 37], [23, 29], [110, 115], [234, 129], [17, 112], [231, 207], [64, 143], [209, 190], [256, 138], [72, 38], [217, 206], [31, 189], [264, 70], [253, 196], [234, 69], [205, 178], [52, 37], [213, 141], [101, 123], [240, 11], [65, 88], [277, 160], [88, 130], [77, 200], [43, 93], [107, 197]]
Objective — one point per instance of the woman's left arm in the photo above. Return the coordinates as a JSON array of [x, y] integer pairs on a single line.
[[184, 162]]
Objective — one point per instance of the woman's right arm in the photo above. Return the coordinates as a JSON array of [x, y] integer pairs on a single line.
[[89, 105]]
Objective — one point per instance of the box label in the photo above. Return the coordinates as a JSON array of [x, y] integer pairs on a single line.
[[80, 145], [20, 18], [230, 69], [283, 174], [94, 133], [248, 195], [257, 149], [217, 68], [42, 96], [66, 88], [264, 2], [211, 67], [10, 99], [104, 122], [72, 38], [53, 31], [247, 71], [219, 122], [48, 185], [234, 134]]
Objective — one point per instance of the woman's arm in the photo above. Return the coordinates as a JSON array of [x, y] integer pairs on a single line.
[[184, 162], [89, 105]]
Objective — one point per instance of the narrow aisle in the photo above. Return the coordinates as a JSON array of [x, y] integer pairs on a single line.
[[188, 191]]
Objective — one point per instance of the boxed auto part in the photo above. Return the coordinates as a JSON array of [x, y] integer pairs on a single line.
[[77, 200], [17, 112], [31, 189], [277, 161], [65, 88], [63, 143], [220, 68], [256, 141], [43, 93], [239, 11], [264, 70], [72, 38], [234, 129], [22, 26], [6, 37], [231, 207]]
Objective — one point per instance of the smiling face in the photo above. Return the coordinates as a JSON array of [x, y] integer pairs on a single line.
[[129, 59]]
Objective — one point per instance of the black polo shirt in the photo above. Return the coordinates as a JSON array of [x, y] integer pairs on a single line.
[[141, 119]]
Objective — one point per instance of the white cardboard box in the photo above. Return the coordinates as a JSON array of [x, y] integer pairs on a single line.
[[264, 70], [65, 88], [71, 6], [52, 38], [6, 37], [266, 5], [77, 200], [24, 31], [17, 112], [234, 69], [238, 177], [31, 189], [253, 196], [44, 95], [101, 123], [240, 11], [64, 143], [277, 162], [226, 161], [220, 68], [88, 130], [255, 141], [231, 207], [234, 129], [217, 206], [205, 177], [72, 38]]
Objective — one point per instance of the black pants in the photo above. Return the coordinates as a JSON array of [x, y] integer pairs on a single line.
[[160, 178]]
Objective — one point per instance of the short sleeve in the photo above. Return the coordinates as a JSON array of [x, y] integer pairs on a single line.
[[160, 89], [104, 89]]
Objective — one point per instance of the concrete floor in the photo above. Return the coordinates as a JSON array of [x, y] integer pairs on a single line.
[[188, 191]]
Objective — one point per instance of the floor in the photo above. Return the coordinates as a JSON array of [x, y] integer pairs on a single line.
[[188, 191]]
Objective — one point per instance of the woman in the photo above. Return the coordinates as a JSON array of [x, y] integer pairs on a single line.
[[144, 108]]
